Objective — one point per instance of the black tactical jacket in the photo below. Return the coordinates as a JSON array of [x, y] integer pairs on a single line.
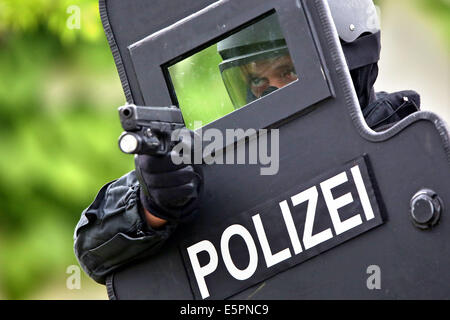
[[112, 231]]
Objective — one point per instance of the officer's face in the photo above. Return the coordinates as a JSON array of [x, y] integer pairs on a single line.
[[269, 74]]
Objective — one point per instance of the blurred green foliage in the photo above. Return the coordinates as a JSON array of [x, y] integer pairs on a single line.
[[436, 13], [53, 15], [59, 92]]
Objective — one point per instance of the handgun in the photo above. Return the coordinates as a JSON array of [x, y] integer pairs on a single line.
[[148, 129]]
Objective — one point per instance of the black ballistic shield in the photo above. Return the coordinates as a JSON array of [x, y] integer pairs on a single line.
[[351, 213]]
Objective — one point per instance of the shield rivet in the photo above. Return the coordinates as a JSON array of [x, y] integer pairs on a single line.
[[425, 208]]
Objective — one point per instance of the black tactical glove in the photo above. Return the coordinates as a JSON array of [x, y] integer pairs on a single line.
[[169, 191]]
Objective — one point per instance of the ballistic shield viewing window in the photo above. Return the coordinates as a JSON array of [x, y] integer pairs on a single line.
[[233, 72]]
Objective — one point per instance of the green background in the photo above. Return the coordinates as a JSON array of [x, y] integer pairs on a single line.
[[59, 93]]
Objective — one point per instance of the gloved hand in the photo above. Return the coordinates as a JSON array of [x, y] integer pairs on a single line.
[[168, 191]]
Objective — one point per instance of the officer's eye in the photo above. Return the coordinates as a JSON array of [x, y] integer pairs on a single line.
[[258, 82], [289, 74]]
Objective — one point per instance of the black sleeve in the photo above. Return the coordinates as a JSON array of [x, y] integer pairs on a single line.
[[112, 230], [389, 108]]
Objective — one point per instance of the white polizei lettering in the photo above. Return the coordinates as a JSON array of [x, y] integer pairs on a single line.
[[362, 192], [309, 240], [271, 259], [335, 204], [201, 272], [239, 230], [292, 230]]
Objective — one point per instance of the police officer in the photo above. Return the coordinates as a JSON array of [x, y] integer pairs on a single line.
[[129, 220]]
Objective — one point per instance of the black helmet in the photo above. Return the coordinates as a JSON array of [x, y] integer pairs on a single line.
[[263, 38], [358, 27]]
